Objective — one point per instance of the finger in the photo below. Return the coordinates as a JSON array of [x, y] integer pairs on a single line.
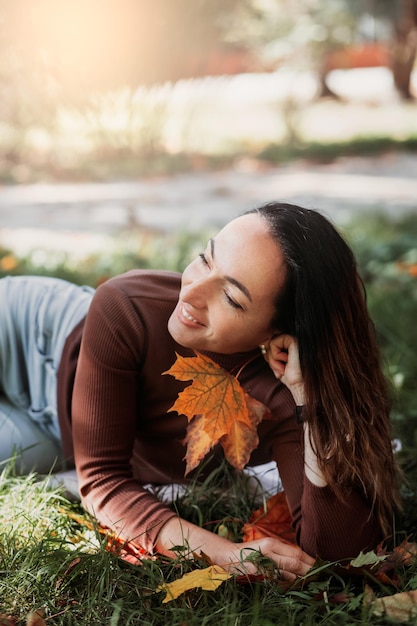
[[288, 567], [277, 361], [290, 551], [285, 570], [277, 368], [282, 348], [282, 574], [279, 355], [287, 557], [292, 566], [283, 342]]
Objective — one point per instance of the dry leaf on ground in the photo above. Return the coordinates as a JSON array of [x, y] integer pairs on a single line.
[[127, 550], [400, 606], [36, 618], [274, 520], [209, 579]]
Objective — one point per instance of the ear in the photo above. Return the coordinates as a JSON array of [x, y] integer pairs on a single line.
[[265, 343]]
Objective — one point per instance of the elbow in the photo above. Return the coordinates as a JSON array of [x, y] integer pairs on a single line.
[[336, 546]]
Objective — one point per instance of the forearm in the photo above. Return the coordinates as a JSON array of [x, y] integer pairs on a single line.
[[125, 506], [311, 466], [179, 532]]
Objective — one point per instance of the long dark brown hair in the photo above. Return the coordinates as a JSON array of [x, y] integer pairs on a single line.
[[323, 304]]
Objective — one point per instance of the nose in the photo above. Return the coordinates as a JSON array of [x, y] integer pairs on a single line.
[[196, 293]]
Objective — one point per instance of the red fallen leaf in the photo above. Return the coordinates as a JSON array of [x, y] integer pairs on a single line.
[[275, 521], [386, 580], [403, 554], [69, 569], [381, 564], [126, 550], [248, 579], [7, 620], [342, 597]]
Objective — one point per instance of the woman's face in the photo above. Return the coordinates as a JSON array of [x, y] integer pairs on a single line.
[[227, 296]]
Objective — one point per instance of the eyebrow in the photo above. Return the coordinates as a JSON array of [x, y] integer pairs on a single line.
[[230, 279]]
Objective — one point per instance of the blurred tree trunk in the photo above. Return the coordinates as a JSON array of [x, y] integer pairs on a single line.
[[404, 48]]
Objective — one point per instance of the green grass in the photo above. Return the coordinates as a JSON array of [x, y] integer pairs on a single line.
[[386, 250], [321, 151], [50, 562]]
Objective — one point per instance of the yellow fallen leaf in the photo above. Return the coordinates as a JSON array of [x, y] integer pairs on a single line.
[[209, 579], [400, 606]]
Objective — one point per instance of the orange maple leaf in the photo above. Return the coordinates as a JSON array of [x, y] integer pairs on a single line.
[[218, 409]]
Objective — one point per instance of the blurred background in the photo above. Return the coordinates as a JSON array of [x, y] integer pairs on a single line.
[[130, 130]]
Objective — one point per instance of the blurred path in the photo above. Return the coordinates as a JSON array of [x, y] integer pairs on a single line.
[[83, 216]]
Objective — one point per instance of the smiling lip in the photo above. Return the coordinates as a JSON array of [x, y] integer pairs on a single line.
[[187, 318]]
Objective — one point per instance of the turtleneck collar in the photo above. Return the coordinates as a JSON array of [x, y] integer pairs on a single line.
[[233, 362]]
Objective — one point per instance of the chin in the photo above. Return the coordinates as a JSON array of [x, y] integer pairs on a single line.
[[178, 334]]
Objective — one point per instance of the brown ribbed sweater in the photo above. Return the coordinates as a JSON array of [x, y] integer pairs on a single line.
[[124, 437]]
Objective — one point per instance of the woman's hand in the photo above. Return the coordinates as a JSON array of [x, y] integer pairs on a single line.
[[290, 561], [283, 357]]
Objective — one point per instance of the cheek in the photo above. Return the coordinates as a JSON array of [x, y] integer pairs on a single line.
[[262, 324]]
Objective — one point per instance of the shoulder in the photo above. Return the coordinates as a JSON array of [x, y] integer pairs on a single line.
[[139, 288], [138, 298], [127, 311], [157, 284]]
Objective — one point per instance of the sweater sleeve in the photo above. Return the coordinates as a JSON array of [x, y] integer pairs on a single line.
[[327, 526], [104, 420], [333, 528]]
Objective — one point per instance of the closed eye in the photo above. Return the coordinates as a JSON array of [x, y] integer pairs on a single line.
[[232, 302], [228, 298]]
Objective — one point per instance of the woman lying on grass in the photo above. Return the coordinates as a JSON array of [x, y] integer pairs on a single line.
[[276, 296]]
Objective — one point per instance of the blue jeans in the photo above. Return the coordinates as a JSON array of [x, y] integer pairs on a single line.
[[36, 316]]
